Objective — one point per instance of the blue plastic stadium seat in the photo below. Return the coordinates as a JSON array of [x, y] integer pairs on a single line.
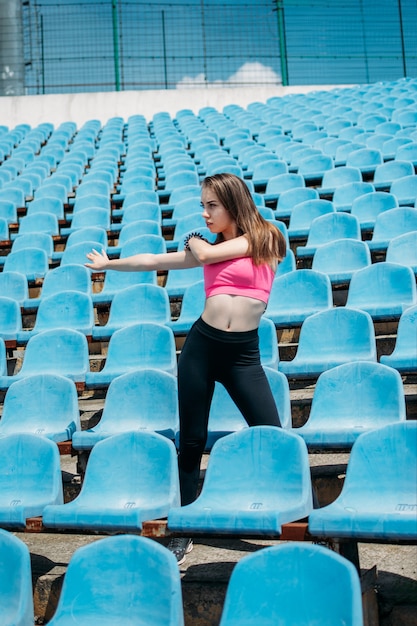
[[391, 224], [123, 579], [405, 190], [57, 351], [8, 211], [288, 199], [304, 213], [14, 285], [191, 308], [351, 399], [366, 159], [32, 262], [313, 168], [288, 263], [266, 588], [70, 277], [257, 479], [41, 404], [139, 303], [178, 280], [138, 472], [379, 497], [65, 309], [3, 360], [280, 183], [384, 290], [329, 227], [344, 195], [341, 258], [16, 594], [41, 222], [132, 230], [403, 250], [138, 346], [404, 356], [367, 207], [183, 208], [387, 172], [10, 320], [51, 205], [225, 417], [30, 478], [330, 338], [130, 406], [88, 217], [296, 295], [186, 225]]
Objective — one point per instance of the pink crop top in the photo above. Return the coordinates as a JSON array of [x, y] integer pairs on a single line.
[[239, 277]]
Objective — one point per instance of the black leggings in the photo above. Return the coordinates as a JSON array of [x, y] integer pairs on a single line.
[[233, 359]]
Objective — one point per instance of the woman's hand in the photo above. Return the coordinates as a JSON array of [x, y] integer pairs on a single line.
[[99, 260]]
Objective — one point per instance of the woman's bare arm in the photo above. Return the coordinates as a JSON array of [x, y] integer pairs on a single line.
[[99, 261], [206, 253]]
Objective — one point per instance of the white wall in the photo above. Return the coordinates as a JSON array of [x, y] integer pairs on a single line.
[[81, 107]]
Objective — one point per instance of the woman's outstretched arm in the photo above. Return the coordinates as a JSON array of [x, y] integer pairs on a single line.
[[183, 259]]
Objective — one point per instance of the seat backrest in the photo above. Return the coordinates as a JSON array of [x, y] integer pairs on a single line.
[[133, 463], [394, 222], [304, 213], [40, 403], [384, 460], [405, 188], [14, 285], [367, 207], [282, 182], [337, 333], [30, 469], [345, 194], [300, 289], [10, 317], [130, 401], [143, 345], [16, 595], [93, 201], [359, 394], [265, 588], [42, 222], [193, 301], [52, 205], [288, 199], [127, 578], [89, 233], [403, 249], [38, 240], [32, 262], [341, 255], [142, 211], [66, 309], [332, 226], [91, 217], [140, 303], [337, 176], [58, 351], [135, 229], [258, 456], [382, 283]]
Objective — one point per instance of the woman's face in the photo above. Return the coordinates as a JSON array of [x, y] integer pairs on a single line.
[[217, 217]]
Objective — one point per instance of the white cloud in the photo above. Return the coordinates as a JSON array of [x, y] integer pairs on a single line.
[[249, 75]]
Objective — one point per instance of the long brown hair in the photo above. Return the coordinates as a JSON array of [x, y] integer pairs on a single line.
[[266, 242]]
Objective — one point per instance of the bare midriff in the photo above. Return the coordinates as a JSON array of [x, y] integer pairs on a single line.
[[233, 313]]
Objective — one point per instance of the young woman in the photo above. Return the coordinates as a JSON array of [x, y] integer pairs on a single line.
[[223, 343]]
